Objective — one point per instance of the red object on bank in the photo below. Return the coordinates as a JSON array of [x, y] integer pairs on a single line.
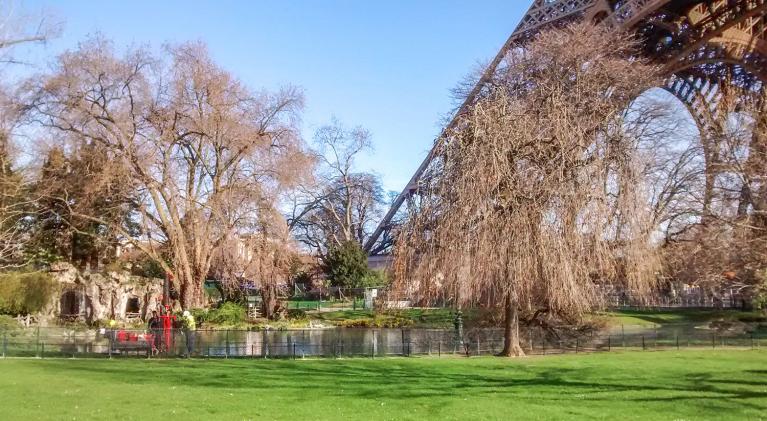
[[167, 324]]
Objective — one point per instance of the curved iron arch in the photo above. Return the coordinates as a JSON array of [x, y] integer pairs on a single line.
[[689, 35]]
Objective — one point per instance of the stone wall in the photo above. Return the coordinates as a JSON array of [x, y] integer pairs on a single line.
[[91, 296]]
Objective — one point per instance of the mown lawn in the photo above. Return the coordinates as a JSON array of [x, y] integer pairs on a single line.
[[666, 385], [679, 316], [413, 317], [443, 318]]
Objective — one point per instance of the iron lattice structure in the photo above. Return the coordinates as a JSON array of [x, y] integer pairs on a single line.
[[699, 43]]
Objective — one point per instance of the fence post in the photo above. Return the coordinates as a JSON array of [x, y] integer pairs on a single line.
[[623, 336], [5, 344], [529, 336], [479, 352], [577, 342], [439, 348], [226, 352], [643, 345], [42, 350], [294, 350], [609, 344], [402, 333], [37, 342], [677, 341]]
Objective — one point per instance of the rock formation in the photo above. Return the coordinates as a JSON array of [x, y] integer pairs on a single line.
[[91, 296]]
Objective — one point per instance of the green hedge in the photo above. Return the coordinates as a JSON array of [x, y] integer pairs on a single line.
[[25, 292]]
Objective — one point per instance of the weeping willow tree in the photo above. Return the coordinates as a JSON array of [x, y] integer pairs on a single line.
[[535, 199]]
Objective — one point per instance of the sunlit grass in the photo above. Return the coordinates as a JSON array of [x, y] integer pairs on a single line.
[[652, 385], [678, 316]]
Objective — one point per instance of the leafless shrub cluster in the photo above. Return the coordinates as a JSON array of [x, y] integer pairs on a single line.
[[538, 195]]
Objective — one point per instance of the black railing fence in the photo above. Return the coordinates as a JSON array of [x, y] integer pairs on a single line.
[[350, 342]]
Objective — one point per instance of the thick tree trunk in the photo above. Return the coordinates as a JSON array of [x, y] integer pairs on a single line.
[[744, 201], [511, 346], [191, 294], [269, 300]]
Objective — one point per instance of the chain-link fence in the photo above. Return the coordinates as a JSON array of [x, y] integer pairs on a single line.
[[336, 343]]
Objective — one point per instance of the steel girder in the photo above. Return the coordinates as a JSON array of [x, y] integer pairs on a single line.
[[698, 41]]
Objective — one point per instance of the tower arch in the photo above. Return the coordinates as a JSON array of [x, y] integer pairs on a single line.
[[699, 43]]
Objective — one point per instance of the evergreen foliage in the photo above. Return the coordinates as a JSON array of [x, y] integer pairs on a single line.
[[25, 293], [346, 265]]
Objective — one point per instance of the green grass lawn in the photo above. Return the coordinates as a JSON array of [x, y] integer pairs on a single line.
[[443, 318], [413, 317], [666, 385], [679, 316]]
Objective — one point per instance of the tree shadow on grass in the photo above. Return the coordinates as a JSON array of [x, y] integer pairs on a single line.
[[403, 380]]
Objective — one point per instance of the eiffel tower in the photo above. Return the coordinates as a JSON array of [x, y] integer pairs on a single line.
[[699, 43]]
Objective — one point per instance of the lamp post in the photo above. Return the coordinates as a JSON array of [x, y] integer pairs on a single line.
[[458, 325]]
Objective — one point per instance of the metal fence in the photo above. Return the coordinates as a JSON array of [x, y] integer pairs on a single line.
[[336, 343]]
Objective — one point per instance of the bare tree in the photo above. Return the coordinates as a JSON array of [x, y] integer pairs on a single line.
[[18, 28], [16, 201], [341, 204], [537, 197], [263, 259], [722, 245], [207, 154]]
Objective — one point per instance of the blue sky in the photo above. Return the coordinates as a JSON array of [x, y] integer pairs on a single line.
[[385, 65]]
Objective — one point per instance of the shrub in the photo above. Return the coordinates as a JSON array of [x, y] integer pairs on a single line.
[[759, 300], [375, 278], [8, 324], [148, 268], [296, 313], [114, 266], [25, 293], [347, 266], [227, 314], [378, 321]]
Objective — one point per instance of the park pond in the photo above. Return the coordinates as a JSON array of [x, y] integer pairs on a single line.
[[368, 342]]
